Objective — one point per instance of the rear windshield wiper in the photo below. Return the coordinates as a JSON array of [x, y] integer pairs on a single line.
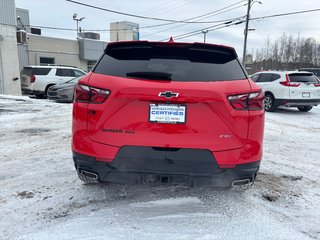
[[151, 75]]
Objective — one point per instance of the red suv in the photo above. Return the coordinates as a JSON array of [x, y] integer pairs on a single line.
[[167, 112]]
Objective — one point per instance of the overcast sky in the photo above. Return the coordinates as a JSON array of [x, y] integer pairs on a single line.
[[59, 14]]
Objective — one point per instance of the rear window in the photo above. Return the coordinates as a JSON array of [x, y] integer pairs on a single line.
[[171, 63], [35, 71], [297, 77], [314, 71]]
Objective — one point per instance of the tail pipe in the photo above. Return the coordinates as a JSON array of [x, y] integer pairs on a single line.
[[242, 182], [90, 175]]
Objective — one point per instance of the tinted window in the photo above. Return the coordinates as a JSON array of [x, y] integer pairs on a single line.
[[265, 77], [46, 61], [297, 77], [35, 71], [317, 72], [177, 64], [41, 71], [26, 71], [65, 72], [313, 70], [275, 77], [78, 73], [255, 77]]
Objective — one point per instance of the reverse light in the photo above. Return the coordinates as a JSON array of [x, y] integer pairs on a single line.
[[287, 82], [84, 93], [247, 101], [32, 78]]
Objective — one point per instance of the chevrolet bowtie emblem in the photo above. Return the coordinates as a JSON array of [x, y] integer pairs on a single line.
[[168, 94]]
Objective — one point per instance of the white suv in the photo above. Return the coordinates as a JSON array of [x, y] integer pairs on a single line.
[[37, 79], [289, 88]]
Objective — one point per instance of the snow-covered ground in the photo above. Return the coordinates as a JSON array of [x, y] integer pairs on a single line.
[[42, 198]]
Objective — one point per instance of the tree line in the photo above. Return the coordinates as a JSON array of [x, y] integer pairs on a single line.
[[287, 53]]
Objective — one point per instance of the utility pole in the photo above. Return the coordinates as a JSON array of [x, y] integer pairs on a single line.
[[246, 35], [204, 35]]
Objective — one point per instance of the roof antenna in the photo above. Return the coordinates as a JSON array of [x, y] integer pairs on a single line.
[[171, 40]]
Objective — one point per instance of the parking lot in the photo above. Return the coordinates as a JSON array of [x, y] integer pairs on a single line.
[[42, 198]]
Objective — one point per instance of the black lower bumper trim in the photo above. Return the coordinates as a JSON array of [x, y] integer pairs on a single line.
[[297, 102], [165, 166]]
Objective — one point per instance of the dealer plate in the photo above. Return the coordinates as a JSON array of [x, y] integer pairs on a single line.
[[167, 113]]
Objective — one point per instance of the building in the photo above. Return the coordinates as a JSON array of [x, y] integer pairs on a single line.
[[22, 45], [124, 31], [9, 61], [41, 50], [35, 49]]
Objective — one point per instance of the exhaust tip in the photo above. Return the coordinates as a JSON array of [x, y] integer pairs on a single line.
[[241, 182], [90, 175]]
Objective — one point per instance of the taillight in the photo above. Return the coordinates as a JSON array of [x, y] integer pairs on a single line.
[[84, 93], [247, 101], [287, 82], [317, 84], [32, 78]]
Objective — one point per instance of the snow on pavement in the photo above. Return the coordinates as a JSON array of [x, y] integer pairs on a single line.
[[42, 198]]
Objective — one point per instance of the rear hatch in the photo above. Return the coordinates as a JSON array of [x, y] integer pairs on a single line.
[[28, 75], [305, 86], [169, 95]]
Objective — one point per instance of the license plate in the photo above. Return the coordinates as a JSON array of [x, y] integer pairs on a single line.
[[167, 113], [306, 95]]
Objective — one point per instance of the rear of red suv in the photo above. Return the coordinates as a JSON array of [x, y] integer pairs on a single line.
[[154, 112]]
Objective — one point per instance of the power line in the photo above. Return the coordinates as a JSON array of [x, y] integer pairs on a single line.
[[212, 28], [135, 15], [260, 30], [121, 13], [203, 16], [169, 7], [157, 6], [107, 30], [197, 31], [216, 12], [53, 28], [286, 14]]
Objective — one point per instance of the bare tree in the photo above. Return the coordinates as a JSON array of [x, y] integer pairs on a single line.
[[287, 53]]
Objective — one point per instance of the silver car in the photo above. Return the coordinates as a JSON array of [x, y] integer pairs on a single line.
[[63, 92]]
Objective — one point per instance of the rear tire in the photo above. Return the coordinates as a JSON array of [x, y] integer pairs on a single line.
[[305, 108], [269, 103]]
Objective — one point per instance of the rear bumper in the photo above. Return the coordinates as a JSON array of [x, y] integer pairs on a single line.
[[297, 102], [62, 98], [31, 92], [60, 95], [161, 165]]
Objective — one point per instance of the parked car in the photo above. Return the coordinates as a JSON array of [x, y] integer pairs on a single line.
[[155, 112], [63, 92], [315, 71], [36, 80], [288, 88]]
